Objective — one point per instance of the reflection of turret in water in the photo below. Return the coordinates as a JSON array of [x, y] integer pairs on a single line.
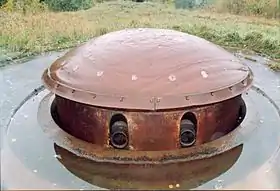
[[184, 175]]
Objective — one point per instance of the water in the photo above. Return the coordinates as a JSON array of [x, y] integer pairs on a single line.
[[29, 155]]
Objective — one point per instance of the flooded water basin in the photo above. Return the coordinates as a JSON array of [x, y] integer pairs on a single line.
[[29, 154]]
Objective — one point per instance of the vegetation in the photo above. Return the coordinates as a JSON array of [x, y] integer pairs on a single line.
[[267, 8], [2, 2], [69, 5], [25, 32], [23, 6], [274, 66]]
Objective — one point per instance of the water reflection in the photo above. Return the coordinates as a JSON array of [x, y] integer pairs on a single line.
[[185, 175]]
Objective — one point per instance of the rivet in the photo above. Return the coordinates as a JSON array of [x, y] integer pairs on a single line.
[[121, 99], [99, 73], [212, 94], [134, 77], [75, 68], [230, 88], [186, 97], [158, 100], [244, 82], [172, 78], [204, 74]]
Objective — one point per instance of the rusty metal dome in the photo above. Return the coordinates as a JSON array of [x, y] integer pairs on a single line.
[[148, 69]]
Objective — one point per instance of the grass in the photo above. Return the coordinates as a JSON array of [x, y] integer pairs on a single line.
[[36, 33], [274, 66], [266, 8]]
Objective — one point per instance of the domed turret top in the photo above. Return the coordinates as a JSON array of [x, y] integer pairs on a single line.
[[147, 69]]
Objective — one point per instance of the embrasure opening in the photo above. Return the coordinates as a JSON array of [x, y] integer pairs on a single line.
[[188, 129], [118, 131]]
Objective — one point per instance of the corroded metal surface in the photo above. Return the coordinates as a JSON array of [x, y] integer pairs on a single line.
[[102, 154], [148, 69], [151, 131]]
